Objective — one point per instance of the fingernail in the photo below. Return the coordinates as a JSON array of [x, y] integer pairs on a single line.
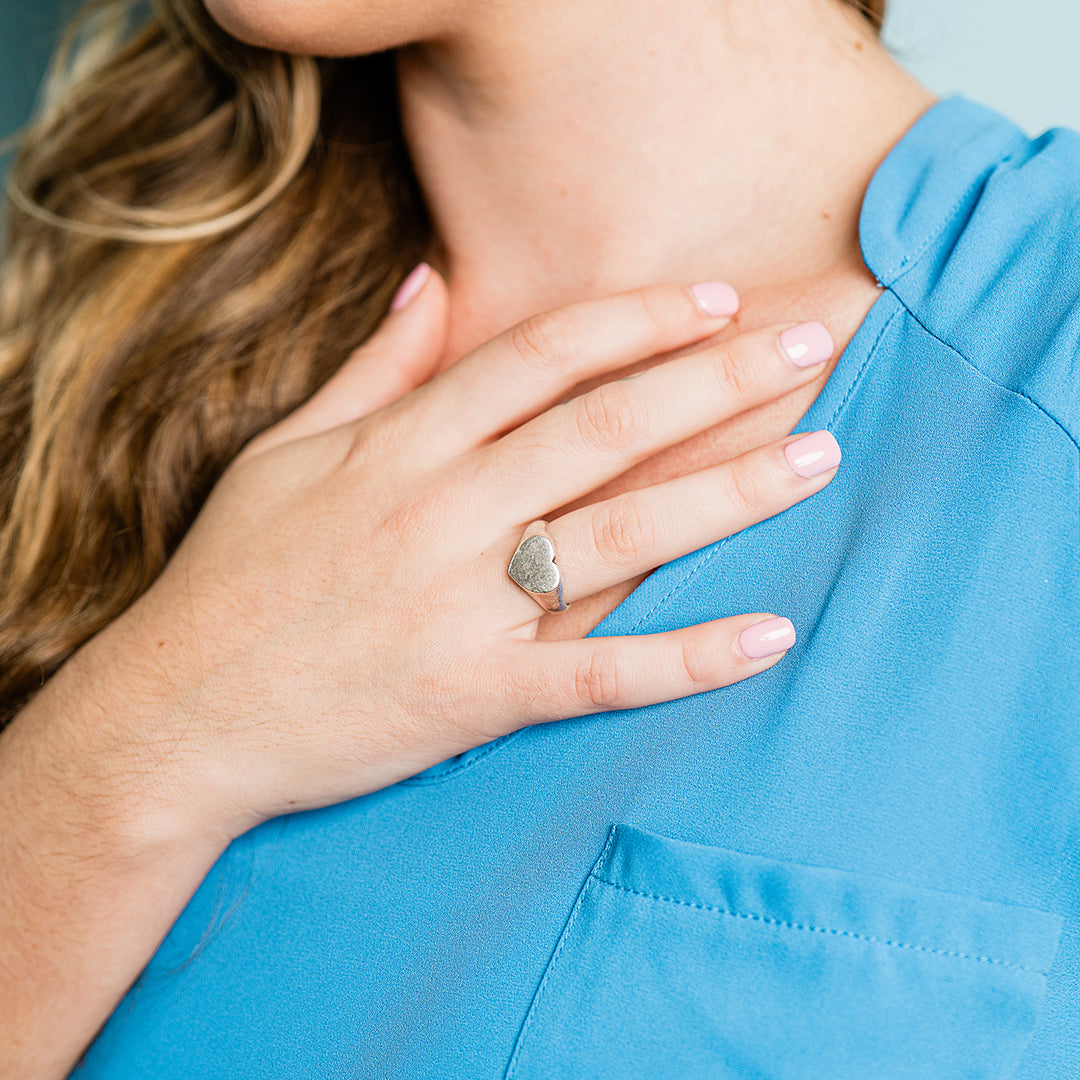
[[408, 289], [807, 344], [814, 454], [767, 638], [716, 297]]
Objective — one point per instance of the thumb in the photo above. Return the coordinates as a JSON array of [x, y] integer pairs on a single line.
[[403, 352], [401, 355]]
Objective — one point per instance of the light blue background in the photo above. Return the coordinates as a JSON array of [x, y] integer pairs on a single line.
[[1019, 56]]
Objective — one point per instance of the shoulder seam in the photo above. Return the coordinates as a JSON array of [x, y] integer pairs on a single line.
[[989, 378]]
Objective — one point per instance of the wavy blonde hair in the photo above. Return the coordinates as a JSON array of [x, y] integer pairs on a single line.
[[197, 232]]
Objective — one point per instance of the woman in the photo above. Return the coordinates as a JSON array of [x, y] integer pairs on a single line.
[[855, 865]]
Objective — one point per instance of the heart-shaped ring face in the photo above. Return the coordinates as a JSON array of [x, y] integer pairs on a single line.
[[533, 565]]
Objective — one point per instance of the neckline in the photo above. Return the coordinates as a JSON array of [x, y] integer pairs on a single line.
[[911, 196], [927, 178], [913, 193]]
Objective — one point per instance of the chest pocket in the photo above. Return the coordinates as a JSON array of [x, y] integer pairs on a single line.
[[686, 961]]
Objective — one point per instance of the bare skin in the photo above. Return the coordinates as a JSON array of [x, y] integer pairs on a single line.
[[762, 188], [569, 150]]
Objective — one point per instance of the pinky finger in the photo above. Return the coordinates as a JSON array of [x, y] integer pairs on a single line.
[[570, 678]]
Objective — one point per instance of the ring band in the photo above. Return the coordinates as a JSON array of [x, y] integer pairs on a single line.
[[533, 568]]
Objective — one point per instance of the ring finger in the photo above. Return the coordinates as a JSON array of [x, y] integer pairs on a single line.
[[610, 541]]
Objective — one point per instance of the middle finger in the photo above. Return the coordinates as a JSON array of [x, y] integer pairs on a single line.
[[573, 448]]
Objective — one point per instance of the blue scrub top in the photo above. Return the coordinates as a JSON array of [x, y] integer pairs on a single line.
[[861, 864]]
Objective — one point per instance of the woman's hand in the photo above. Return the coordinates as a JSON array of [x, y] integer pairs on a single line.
[[339, 615]]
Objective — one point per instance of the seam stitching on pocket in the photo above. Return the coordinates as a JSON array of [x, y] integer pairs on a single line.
[[553, 962], [823, 929]]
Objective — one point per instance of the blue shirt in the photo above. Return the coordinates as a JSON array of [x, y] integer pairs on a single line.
[[861, 864]]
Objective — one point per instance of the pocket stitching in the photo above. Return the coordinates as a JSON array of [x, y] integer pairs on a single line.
[[553, 962], [813, 929]]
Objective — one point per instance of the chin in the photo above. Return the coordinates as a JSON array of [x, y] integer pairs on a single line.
[[325, 27]]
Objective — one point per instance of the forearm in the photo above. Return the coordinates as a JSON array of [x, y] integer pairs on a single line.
[[97, 859]]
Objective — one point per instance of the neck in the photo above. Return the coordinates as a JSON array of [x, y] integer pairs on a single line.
[[572, 149]]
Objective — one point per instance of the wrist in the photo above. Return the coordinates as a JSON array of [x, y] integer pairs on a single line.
[[100, 849], [104, 737]]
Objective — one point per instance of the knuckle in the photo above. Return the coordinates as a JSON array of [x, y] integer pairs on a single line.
[[654, 313], [734, 376], [413, 516], [596, 680], [374, 438], [744, 488], [486, 684], [531, 696], [698, 661], [541, 343], [607, 418], [623, 531]]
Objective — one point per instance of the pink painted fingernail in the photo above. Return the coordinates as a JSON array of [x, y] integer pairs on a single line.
[[807, 344], [716, 297], [767, 638], [813, 454], [410, 287]]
